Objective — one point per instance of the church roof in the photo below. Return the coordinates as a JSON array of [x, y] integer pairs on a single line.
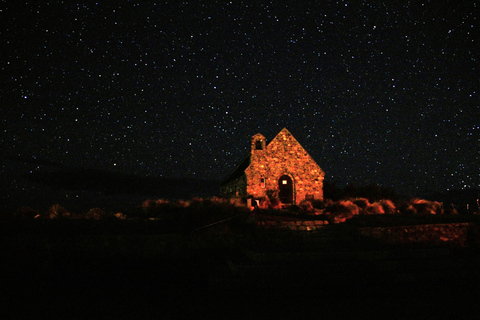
[[239, 170]]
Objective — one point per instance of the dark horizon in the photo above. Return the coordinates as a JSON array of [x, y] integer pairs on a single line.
[[39, 184]]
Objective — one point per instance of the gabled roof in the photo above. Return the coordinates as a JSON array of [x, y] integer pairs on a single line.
[[238, 172], [240, 169], [285, 130]]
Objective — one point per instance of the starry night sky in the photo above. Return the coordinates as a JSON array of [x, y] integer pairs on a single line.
[[379, 92]]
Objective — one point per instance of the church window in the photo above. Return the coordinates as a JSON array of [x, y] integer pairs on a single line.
[[258, 145], [262, 182]]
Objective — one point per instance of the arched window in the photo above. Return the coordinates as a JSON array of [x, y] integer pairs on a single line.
[[259, 145]]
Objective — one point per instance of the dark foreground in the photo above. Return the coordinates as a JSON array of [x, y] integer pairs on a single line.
[[202, 278], [148, 290]]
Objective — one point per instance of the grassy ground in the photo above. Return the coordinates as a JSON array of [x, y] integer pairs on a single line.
[[335, 275]]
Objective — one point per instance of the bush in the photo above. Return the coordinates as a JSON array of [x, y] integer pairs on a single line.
[[388, 206], [425, 207], [421, 207], [157, 208], [362, 204], [57, 211], [120, 216], [375, 208], [272, 201], [269, 203], [307, 208], [272, 194], [95, 214], [342, 210]]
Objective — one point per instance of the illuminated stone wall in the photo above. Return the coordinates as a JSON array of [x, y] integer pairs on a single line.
[[283, 156], [267, 163]]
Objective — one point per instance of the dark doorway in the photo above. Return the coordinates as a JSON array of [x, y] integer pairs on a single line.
[[285, 187]]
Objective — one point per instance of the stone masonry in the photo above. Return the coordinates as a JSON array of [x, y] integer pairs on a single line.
[[281, 166]]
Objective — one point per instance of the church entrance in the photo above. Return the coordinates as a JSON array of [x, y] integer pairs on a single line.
[[285, 189]]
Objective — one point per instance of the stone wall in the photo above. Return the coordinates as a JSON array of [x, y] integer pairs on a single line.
[[299, 225], [283, 156], [457, 234]]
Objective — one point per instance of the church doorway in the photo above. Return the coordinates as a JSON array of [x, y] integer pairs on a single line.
[[285, 189]]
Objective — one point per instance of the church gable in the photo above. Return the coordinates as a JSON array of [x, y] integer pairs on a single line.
[[282, 167], [285, 146], [284, 164]]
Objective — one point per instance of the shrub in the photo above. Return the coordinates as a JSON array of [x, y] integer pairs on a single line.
[[307, 207], [405, 207], [425, 207], [95, 214], [57, 211], [362, 204], [388, 206], [328, 202], [154, 208], [148, 204], [265, 203], [421, 207], [271, 202], [272, 194], [120, 216], [375, 208], [182, 204], [340, 211]]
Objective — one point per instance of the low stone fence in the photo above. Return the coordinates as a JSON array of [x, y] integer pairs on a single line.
[[293, 225], [457, 234]]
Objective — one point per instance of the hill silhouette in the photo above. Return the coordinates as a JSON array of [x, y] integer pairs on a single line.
[[38, 183], [120, 183]]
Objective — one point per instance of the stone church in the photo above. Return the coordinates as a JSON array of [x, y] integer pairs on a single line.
[[281, 166]]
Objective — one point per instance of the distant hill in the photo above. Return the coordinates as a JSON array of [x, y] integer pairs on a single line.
[[120, 183], [40, 184]]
